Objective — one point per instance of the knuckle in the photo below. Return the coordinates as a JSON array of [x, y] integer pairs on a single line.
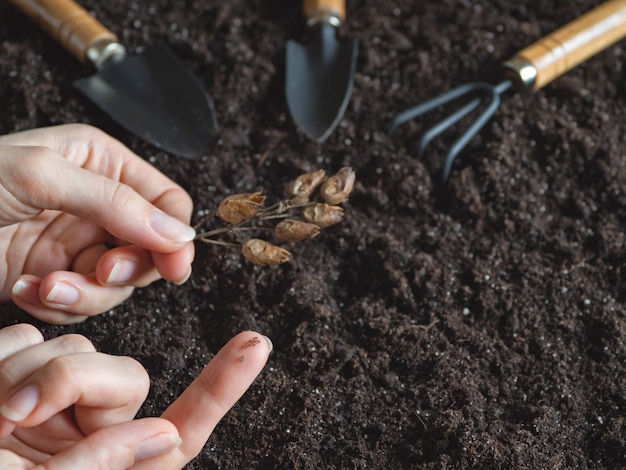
[[80, 127], [75, 343], [61, 369], [29, 180], [84, 132], [35, 158]]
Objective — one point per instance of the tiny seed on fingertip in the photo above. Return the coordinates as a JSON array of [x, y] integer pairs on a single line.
[[251, 342], [241, 358]]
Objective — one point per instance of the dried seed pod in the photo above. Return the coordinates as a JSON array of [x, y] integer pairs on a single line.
[[306, 184], [291, 230], [263, 253], [239, 207], [322, 214], [338, 187]]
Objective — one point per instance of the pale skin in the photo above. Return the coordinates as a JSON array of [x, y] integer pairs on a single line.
[[83, 221], [64, 406]]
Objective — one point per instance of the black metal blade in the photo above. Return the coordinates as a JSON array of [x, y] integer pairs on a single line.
[[318, 80], [154, 96]]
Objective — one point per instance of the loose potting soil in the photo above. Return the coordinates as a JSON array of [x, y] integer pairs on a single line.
[[477, 325]]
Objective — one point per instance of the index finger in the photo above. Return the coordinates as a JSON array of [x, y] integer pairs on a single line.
[[94, 177], [96, 151], [209, 397]]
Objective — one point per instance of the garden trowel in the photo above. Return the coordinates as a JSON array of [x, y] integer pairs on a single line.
[[151, 94], [320, 71]]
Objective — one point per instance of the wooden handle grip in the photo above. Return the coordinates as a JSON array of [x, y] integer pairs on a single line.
[[336, 7], [575, 42], [68, 23]]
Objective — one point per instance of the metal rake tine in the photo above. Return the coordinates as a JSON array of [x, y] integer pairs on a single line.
[[444, 124], [482, 119], [429, 105], [449, 121]]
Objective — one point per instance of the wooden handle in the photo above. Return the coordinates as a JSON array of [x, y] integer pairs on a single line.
[[334, 7], [68, 23], [575, 42]]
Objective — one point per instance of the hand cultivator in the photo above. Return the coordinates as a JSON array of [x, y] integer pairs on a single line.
[[532, 68]]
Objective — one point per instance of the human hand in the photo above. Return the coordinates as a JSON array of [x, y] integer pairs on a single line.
[[83, 221], [63, 405]]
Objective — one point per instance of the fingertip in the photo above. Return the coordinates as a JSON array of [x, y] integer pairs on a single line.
[[14, 338], [26, 289], [175, 267], [170, 228], [21, 404], [27, 293], [157, 445], [249, 339], [60, 293], [127, 265], [247, 353], [248, 347], [184, 279], [77, 296]]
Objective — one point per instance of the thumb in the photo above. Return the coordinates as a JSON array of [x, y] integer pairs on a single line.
[[118, 446], [43, 179]]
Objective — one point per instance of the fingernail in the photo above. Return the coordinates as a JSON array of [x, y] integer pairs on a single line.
[[157, 445], [270, 345], [63, 294], [21, 404], [170, 227], [184, 279], [26, 291], [123, 271]]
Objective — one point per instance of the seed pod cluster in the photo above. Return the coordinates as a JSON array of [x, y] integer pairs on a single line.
[[312, 204]]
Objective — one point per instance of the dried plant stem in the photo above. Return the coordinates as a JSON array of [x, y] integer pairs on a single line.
[[219, 231], [211, 241], [279, 210], [204, 220]]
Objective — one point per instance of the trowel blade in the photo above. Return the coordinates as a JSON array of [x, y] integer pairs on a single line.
[[318, 82], [155, 96]]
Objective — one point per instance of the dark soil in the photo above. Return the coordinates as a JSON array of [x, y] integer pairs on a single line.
[[478, 326]]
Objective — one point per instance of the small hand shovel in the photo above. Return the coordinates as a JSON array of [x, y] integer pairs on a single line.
[[319, 73], [151, 94]]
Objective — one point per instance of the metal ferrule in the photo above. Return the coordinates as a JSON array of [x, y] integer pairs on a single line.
[[523, 72], [101, 51], [323, 15]]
